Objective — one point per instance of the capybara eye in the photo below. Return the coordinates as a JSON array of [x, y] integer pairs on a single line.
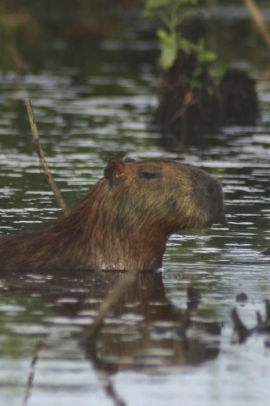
[[149, 174]]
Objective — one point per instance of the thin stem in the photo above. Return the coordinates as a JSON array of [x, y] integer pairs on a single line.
[[42, 159]]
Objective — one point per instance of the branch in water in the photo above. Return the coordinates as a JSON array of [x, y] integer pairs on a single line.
[[42, 158], [263, 326]]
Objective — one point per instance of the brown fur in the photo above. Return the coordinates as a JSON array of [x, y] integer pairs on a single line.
[[123, 223]]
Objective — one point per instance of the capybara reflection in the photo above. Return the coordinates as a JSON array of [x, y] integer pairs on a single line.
[[123, 223]]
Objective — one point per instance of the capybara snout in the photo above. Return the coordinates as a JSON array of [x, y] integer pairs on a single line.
[[124, 222], [209, 195]]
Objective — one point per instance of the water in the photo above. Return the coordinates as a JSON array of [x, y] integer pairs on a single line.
[[86, 114]]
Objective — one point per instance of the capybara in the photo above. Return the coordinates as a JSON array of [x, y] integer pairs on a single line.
[[123, 223]]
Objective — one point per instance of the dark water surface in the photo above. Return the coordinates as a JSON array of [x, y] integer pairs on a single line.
[[143, 354]]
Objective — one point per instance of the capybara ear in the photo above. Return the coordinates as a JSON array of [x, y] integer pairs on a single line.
[[128, 159], [114, 168]]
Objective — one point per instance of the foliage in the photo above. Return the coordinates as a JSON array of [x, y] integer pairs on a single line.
[[172, 14]]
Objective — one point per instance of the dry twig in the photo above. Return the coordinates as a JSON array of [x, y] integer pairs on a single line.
[[42, 158]]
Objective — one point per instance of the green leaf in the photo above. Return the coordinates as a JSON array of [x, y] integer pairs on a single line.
[[167, 57], [218, 71], [203, 55], [163, 35], [208, 57], [190, 12], [185, 45], [169, 48]]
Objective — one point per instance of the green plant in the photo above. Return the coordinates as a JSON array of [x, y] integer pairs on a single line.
[[172, 13]]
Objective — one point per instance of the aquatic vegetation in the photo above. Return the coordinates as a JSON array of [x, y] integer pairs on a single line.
[[172, 14], [194, 92]]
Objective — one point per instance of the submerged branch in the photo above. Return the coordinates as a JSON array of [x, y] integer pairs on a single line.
[[42, 158], [263, 326], [31, 375], [239, 327]]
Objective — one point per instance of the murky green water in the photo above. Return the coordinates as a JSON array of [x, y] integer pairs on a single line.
[[87, 113]]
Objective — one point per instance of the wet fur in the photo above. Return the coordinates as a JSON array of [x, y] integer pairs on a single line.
[[123, 223]]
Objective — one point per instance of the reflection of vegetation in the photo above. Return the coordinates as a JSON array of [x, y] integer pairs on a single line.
[[23, 26], [8, 31], [16, 28], [65, 18]]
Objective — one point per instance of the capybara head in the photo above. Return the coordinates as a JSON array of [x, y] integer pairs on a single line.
[[124, 222], [163, 193]]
